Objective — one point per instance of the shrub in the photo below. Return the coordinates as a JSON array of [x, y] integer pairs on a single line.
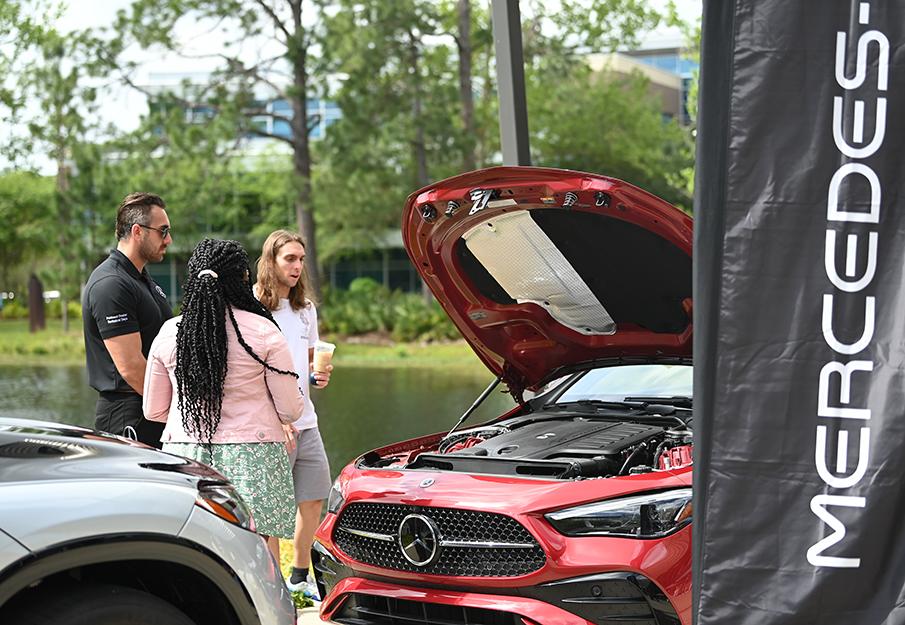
[[414, 320], [370, 307], [54, 310], [15, 309], [366, 286], [12, 309]]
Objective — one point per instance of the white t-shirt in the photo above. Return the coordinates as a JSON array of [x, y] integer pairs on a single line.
[[300, 329]]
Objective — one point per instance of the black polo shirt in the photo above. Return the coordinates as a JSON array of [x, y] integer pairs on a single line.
[[119, 300]]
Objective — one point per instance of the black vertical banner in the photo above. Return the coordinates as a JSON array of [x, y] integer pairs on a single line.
[[800, 314]]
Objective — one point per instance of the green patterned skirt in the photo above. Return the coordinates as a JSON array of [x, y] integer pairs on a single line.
[[261, 474]]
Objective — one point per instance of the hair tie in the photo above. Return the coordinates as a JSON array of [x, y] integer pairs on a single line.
[[208, 272]]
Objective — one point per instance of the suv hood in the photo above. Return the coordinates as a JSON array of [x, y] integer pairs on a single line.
[[548, 271], [38, 451]]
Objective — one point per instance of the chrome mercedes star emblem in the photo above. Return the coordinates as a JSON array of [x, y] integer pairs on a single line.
[[418, 540], [427, 482]]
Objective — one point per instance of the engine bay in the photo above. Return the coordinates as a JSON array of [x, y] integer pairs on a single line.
[[561, 446]]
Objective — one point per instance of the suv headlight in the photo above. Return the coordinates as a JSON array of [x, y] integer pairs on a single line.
[[336, 498], [651, 515], [223, 500]]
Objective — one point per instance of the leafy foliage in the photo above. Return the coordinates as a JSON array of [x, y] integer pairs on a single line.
[[684, 178], [396, 69], [264, 57], [300, 600], [14, 310], [52, 104], [25, 200], [370, 307], [23, 26], [607, 123], [401, 102], [565, 30]]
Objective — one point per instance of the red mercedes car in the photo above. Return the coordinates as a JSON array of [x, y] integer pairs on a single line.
[[575, 507]]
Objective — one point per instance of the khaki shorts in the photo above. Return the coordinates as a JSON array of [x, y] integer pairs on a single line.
[[310, 468]]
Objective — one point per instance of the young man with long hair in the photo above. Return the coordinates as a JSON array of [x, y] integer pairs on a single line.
[[284, 289], [221, 377]]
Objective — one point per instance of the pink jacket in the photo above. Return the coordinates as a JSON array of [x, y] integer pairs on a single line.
[[256, 401]]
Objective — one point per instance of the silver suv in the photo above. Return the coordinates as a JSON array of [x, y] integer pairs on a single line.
[[99, 530]]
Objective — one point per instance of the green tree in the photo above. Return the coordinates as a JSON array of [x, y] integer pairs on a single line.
[[465, 47], [601, 122], [191, 164], [48, 100], [409, 113], [23, 26], [560, 34], [406, 119], [608, 124], [25, 212], [59, 85], [244, 87], [21, 195], [406, 65], [56, 82], [684, 178], [415, 80]]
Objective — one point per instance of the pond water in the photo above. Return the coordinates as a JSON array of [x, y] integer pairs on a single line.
[[362, 409]]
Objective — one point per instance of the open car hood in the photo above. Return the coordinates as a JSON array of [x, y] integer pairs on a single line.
[[548, 271]]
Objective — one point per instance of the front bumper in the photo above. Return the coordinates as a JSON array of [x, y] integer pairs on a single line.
[[616, 598], [255, 584]]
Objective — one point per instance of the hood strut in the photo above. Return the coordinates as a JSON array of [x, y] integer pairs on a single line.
[[475, 405]]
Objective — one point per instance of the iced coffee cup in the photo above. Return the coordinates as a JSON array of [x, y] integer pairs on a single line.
[[323, 352]]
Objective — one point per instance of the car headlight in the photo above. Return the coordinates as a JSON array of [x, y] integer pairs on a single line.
[[336, 498], [651, 515], [222, 499]]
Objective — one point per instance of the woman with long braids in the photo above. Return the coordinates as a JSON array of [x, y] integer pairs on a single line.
[[221, 376]]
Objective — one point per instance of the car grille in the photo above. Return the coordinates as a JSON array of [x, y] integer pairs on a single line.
[[470, 543]]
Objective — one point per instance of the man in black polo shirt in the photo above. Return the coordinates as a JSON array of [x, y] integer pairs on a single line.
[[122, 311]]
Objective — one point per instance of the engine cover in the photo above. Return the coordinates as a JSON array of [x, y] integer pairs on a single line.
[[564, 439], [552, 448]]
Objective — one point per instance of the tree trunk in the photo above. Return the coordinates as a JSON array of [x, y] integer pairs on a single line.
[[65, 214], [418, 143], [297, 53], [466, 89]]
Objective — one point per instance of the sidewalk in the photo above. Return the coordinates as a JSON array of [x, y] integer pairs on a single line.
[[308, 616]]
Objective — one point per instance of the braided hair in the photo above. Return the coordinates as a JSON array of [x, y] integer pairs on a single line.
[[217, 280]]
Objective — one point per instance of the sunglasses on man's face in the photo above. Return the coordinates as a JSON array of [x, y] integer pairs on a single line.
[[163, 231]]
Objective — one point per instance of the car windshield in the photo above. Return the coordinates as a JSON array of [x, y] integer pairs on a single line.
[[617, 383]]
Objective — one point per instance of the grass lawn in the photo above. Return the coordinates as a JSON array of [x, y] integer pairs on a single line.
[[19, 346], [352, 351]]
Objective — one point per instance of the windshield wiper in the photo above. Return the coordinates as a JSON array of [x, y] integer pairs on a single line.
[[679, 401], [588, 404], [637, 407]]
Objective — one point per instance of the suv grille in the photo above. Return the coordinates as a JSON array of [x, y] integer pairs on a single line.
[[468, 543]]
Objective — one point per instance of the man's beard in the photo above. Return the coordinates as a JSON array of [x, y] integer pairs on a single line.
[[150, 252]]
